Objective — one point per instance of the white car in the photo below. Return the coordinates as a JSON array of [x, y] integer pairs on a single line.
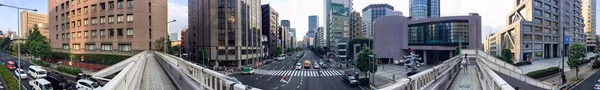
[[84, 84], [40, 84], [298, 66], [20, 73]]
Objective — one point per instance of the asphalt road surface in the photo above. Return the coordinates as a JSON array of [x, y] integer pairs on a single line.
[[4, 57], [315, 81], [588, 84]]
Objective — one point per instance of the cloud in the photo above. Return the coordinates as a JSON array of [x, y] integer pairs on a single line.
[[179, 12]]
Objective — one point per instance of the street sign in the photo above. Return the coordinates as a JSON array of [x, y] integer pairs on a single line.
[[566, 39]]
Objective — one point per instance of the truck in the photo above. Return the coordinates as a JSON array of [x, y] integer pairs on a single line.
[[247, 70]]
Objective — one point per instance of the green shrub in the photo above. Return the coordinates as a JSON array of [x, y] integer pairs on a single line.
[[544, 72], [595, 64], [103, 59], [522, 63], [41, 63], [69, 70], [8, 77]]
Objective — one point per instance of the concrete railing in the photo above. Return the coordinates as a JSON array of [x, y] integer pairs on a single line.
[[118, 66], [490, 79], [430, 79], [130, 77], [208, 79], [507, 69]]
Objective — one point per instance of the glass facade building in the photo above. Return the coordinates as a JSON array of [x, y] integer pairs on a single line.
[[424, 8], [372, 12], [446, 33]]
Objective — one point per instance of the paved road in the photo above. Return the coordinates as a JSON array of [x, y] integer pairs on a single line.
[[588, 83], [25, 65], [297, 81]]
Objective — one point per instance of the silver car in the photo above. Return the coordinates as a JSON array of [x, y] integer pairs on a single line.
[[597, 86], [298, 66]]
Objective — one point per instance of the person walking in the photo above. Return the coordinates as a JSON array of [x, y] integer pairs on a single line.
[[465, 63]]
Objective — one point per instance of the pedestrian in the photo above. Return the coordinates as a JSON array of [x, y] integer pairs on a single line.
[[465, 62], [346, 65]]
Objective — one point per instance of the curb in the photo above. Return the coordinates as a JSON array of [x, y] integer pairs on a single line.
[[579, 82]]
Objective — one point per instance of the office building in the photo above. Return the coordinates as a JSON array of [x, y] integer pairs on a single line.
[[319, 38], [174, 36], [372, 12], [31, 19], [183, 47], [285, 23], [355, 29], [588, 11], [313, 23], [534, 29], [270, 25], [106, 27], [337, 18], [229, 33], [434, 39], [424, 8]]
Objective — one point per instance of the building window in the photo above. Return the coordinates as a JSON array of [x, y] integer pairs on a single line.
[[537, 21], [79, 23], [129, 17], [106, 47], [547, 6], [67, 13], [93, 7], [102, 6], [102, 20], [94, 20], [65, 46], [78, 11], [85, 9], [111, 32], [79, 34], [85, 21], [537, 3], [546, 23], [62, 36], [90, 47], [102, 32], [546, 15], [111, 5], [93, 33], [68, 36], [554, 24], [111, 19], [537, 12], [130, 31], [73, 34], [119, 32], [76, 46], [120, 4], [526, 28], [537, 29], [130, 3], [538, 37], [547, 30], [85, 33], [124, 47], [119, 18]]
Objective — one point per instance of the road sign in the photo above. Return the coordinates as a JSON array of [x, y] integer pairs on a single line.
[[566, 39]]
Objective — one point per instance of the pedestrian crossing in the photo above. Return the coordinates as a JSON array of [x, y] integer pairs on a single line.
[[312, 73]]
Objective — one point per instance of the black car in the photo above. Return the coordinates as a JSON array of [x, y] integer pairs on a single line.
[[350, 80], [58, 82]]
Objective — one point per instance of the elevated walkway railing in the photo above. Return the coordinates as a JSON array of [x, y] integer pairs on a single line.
[[430, 79], [490, 79], [208, 79], [130, 76], [118, 66], [506, 68]]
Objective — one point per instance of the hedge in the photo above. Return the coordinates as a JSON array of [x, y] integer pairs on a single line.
[[69, 70], [523, 63], [9, 79], [41, 63], [544, 72], [103, 59]]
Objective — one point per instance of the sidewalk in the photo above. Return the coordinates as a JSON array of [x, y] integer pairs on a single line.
[[584, 70]]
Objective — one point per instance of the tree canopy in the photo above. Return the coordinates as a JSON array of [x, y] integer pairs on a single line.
[[365, 62], [37, 45], [576, 55]]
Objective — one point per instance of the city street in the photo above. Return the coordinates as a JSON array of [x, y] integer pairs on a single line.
[[588, 83], [25, 65], [310, 79]]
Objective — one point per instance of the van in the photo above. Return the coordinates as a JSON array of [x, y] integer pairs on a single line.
[[36, 72], [40, 84]]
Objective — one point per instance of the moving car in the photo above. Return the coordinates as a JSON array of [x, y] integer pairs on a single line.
[[298, 66], [11, 65], [247, 70], [323, 65], [20, 73], [85, 84], [597, 85], [40, 84], [350, 78], [58, 83], [36, 72], [306, 64], [316, 66], [280, 57], [233, 79]]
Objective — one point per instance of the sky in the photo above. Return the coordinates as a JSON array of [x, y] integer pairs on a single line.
[[492, 12]]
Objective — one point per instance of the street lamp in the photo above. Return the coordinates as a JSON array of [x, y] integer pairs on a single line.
[[564, 52], [18, 31], [167, 35]]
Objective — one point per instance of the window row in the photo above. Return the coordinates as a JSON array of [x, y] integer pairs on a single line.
[[104, 47], [528, 28], [94, 20], [94, 33], [102, 5]]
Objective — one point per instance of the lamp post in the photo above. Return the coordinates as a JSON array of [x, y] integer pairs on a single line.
[[167, 35], [564, 52], [18, 31]]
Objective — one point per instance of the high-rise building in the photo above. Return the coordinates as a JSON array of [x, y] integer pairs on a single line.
[[337, 18], [588, 11], [228, 31], [174, 36], [313, 23], [292, 37], [106, 27], [355, 29], [319, 40], [372, 12], [283, 34], [184, 42], [285, 23], [31, 19], [270, 25], [534, 29], [435, 39], [420, 9]]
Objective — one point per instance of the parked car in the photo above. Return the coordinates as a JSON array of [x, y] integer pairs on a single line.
[[20, 73], [85, 84], [58, 83], [40, 84], [11, 65], [316, 66], [298, 66], [597, 85], [36, 72]]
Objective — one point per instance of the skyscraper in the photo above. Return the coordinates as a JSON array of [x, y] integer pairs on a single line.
[[270, 25], [228, 31], [534, 29], [355, 23], [313, 23], [371, 13], [174, 36], [424, 8], [31, 19], [285, 23], [588, 11], [337, 16]]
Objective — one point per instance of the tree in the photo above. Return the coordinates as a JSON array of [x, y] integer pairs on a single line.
[[365, 62], [169, 47], [159, 44], [361, 41], [576, 55], [278, 51], [507, 56], [37, 45], [597, 50]]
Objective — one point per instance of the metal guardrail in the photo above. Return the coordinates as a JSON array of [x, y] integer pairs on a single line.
[[424, 79], [208, 79], [491, 79], [130, 77], [508, 69]]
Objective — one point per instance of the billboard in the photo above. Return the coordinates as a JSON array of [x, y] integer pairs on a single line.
[[339, 9]]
